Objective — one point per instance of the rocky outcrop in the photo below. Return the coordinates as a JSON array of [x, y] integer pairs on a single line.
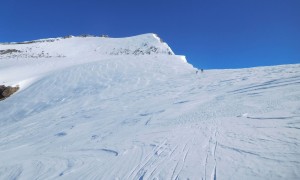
[[9, 51], [6, 91]]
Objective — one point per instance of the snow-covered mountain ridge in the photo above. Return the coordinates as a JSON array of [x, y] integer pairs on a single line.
[[73, 46], [86, 113]]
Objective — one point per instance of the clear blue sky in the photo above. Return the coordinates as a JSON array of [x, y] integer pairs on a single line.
[[211, 33]]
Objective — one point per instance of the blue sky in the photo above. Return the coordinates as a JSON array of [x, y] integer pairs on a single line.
[[211, 33]]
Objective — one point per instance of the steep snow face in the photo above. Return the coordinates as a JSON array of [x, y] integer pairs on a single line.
[[146, 44], [98, 115], [107, 78]]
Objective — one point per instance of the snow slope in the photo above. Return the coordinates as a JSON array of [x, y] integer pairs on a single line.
[[113, 108]]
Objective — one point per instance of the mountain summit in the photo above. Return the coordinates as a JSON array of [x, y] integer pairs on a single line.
[[70, 46]]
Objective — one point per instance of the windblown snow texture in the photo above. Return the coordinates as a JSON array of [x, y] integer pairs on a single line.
[[129, 108]]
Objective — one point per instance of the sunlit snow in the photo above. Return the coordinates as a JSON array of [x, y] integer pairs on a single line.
[[128, 108]]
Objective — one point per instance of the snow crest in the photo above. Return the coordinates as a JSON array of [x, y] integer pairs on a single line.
[[147, 44]]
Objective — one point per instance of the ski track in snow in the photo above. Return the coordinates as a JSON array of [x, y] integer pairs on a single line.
[[148, 117]]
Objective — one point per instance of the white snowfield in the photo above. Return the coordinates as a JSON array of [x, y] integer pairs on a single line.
[[129, 108]]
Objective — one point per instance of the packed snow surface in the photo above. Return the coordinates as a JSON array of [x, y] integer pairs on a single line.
[[129, 108]]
